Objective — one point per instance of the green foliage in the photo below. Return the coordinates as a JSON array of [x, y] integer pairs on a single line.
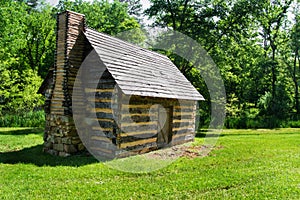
[[18, 90], [27, 42], [250, 41], [27, 45], [254, 44], [24, 119], [292, 124], [101, 15]]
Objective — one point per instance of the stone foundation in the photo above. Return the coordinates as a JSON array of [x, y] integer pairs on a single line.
[[61, 137]]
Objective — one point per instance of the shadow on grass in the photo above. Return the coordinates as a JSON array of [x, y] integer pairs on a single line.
[[209, 133], [34, 155], [21, 131]]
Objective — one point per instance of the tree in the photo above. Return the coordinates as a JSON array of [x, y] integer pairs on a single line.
[[271, 18], [246, 39], [19, 80], [134, 8], [110, 18]]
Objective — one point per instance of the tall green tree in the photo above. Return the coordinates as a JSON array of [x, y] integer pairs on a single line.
[[246, 39], [19, 79], [102, 15]]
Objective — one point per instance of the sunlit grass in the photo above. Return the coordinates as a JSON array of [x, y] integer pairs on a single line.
[[250, 164]]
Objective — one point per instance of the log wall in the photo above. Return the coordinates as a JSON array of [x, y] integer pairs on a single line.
[[104, 128], [139, 123]]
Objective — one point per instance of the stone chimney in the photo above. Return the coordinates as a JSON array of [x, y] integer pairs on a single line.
[[61, 137]]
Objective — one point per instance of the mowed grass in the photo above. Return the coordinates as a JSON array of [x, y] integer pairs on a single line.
[[247, 164]]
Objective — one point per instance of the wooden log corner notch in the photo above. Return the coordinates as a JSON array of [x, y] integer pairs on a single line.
[[134, 107]]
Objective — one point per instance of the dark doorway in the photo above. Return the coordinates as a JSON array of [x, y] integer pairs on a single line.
[[164, 136]]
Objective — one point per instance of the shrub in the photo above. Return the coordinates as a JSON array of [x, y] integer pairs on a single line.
[[25, 119]]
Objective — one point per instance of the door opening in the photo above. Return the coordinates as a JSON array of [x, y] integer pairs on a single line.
[[164, 136]]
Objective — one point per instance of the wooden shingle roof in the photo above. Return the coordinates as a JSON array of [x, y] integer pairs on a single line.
[[139, 71]]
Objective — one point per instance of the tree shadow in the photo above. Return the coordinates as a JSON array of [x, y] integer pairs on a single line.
[[209, 133], [35, 156], [21, 131]]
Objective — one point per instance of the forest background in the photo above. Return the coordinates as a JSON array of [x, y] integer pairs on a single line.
[[254, 43]]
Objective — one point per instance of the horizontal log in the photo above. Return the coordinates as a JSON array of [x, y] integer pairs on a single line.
[[99, 100], [137, 133], [98, 128], [182, 113], [96, 110], [138, 128], [138, 118], [184, 106], [100, 138], [105, 119], [183, 131], [91, 90], [138, 124], [130, 106], [183, 117], [182, 139], [139, 142], [182, 124], [128, 139], [127, 114], [184, 110], [174, 136], [136, 110], [181, 128], [181, 120]]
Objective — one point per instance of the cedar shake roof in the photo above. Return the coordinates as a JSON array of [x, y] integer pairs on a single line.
[[139, 71]]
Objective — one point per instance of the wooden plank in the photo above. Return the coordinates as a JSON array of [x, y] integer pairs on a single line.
[[103, 110], [138, 118], [98, 128], [105, 119], [182, 124], [127, 106], [138, 142], [91, 90], [183, 131], [175, 136], [181, 120], [182, 128], [139, 128], [99, 100], [127, 139], [128, 114], [137, 124], [181, 113], [125, 134]]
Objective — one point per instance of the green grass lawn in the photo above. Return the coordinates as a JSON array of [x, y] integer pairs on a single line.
[[248, 164]]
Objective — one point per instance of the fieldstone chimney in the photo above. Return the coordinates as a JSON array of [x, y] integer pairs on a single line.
[[60, 136]]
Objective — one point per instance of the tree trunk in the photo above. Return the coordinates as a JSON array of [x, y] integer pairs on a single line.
[[296, 85]]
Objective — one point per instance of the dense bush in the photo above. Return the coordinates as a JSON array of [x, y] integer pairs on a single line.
[[25, 119]]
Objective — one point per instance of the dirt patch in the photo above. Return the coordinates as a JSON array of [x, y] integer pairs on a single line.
[[185, 150]]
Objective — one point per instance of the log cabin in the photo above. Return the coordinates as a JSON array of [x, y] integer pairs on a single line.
[[136, 100]]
